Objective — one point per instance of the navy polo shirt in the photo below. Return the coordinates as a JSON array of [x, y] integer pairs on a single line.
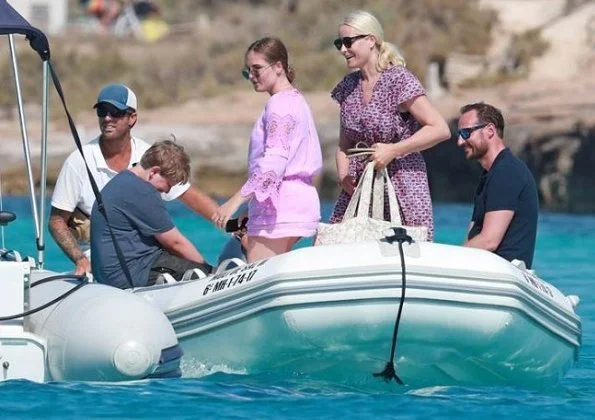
[[509, 185], [137, 214]]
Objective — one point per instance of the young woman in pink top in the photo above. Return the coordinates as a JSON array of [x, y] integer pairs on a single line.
[[284, 155]]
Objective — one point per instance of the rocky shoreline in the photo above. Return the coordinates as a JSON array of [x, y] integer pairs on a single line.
[[560, 159], [550, 127]]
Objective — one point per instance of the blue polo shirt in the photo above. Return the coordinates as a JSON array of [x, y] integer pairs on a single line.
[[137, 214], [509, 185]]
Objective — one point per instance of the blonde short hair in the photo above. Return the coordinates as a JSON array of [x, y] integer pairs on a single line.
[[171, 159], [366, 23]]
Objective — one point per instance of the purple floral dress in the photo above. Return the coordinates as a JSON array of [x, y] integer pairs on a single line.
[[380, 121], [283, 157]]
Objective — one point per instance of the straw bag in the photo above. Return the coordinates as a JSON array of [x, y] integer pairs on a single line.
[[357, 225]]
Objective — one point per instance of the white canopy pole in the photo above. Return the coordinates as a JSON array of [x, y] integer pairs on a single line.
[[26, 150], [43, 165]]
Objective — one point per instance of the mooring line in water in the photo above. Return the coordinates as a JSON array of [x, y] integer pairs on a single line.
[[389, 373]]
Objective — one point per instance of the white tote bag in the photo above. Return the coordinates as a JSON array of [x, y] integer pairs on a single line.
[[357, 225]]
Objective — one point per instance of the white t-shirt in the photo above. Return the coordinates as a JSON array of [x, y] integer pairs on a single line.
[[73, 188]]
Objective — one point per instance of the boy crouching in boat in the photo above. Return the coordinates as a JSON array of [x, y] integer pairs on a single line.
[[150, 244]]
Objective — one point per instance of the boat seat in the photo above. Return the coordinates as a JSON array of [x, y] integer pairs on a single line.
[[229, 264], [165, 278], [193, 274]]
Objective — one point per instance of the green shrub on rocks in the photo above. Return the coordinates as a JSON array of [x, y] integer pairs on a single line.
[[199, 60]]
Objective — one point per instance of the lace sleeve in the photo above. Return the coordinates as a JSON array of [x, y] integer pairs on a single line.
[[265, 181], [279, 130], [263, 186]]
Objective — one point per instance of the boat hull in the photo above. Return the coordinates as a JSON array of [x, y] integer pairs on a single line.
[[469, 317]]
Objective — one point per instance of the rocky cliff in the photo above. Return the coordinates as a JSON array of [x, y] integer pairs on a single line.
[[561, 160]]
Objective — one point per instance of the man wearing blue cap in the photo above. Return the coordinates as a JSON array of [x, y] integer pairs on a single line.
[[113, 151]]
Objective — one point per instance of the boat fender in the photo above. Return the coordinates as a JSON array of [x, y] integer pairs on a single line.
[[574, 300]]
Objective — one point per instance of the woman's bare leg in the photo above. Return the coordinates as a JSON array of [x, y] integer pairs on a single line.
[[260, 248]]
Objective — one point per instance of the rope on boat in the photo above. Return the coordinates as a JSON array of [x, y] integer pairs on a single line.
[[389, 373], [83, 282]]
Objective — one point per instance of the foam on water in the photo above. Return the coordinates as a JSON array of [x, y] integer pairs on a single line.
[[192, 368]]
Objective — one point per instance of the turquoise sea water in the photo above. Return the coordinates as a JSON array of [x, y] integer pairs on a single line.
[[564, 257]]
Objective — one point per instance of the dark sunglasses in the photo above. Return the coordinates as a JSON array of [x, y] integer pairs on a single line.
[[254, 71], [103, 110], [465, 133], [347, 41]]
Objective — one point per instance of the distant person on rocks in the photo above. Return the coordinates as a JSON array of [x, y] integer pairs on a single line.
[[114, 151], [150, 243], [106, 11], [284, 156], [506, 203], [385, 107]]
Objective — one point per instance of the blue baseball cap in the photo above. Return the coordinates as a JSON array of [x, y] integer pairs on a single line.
[[118, 95]]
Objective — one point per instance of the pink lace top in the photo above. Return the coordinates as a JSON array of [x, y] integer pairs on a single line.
[[284, 145]]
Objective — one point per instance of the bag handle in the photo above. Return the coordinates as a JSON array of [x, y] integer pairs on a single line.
[[360, 149], [360, 199], [393, 202], [378, 196], [363, 207], [367, 193]]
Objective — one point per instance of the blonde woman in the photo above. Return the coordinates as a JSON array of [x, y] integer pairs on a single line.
[[384, 106]]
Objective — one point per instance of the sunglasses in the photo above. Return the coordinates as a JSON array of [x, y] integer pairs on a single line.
[[347, 41], [103, 110], [254, 71], [465, 133]]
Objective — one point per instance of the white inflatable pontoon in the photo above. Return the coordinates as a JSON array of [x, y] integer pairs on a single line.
[[89, 332], [59, 327], [328, 312]]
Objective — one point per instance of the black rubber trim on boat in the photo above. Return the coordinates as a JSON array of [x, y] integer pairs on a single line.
[[389, 373], [169, 363], [83, 282]]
